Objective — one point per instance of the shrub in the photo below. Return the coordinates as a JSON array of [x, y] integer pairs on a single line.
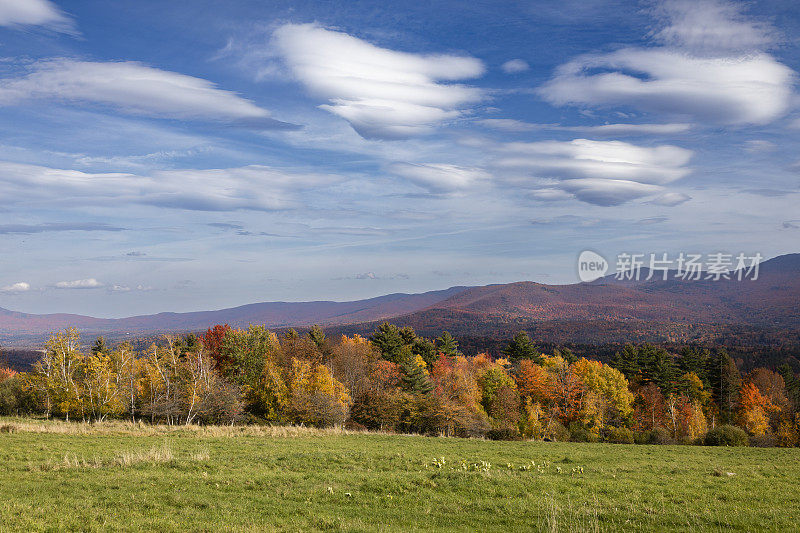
[[506, 433], [377, 410], [556, 432], [15, 399], [726, 435], [660, 435], [764, 441], [620, 436], [641, 437], [354, 426], [579, 433]]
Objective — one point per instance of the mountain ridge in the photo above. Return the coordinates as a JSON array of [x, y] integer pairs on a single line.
[[770, 301]]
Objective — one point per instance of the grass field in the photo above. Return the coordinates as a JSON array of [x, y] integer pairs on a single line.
[[67, 476]]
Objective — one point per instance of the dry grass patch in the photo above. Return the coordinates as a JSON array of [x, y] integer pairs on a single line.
[[161, 454], [143, 429]]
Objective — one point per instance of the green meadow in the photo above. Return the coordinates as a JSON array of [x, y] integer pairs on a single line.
[[120, 476]]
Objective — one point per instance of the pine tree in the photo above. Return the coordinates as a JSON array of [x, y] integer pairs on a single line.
[[414, 378], [725, 383], [317, 335], [408, 334], [695, 359], [99, 346], [522, 347], [627, 362], [792, 384], [425, 349], [566, 354], [447, 345], [389, 341], [657, 366]]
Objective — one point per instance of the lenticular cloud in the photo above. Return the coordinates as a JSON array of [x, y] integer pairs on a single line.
[[382, 93]]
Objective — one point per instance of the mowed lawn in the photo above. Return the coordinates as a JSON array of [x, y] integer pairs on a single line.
[[64, 476]]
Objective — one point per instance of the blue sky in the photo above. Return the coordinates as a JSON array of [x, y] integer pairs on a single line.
[[196, 155]]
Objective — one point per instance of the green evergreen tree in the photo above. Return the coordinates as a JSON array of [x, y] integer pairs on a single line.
[[99, 346], [408, 334], [317, 335], [566, 354], [522, 347], [627, 362], [425, 349], [725, 383], [447, 345], [389, 341], [413, 377], [192, 342], [792, 385], [695, 359]]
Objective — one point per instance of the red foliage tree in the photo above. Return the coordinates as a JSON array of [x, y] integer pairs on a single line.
[[649, 408], [212, 342], [534, 382]]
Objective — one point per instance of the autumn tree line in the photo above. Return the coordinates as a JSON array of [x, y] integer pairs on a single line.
[[397, 381]]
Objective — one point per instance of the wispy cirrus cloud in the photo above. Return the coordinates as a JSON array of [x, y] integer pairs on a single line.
[[518, 126], [382, 93], [29, 229], [439, 177], [133, 88], [20, 13], [671, 199], [711, 66], [254, 187]]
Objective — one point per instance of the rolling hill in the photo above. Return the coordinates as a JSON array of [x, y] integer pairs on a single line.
[[607, 310], [604, 310], [16, 328]]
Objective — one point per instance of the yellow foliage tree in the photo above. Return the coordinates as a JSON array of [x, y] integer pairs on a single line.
[[316, 397]]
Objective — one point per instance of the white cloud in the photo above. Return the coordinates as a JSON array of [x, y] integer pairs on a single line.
[[252, 187], [34, 13], [382, 93], [608, 192], [583, 158], [511, 125], [730, 90], [20, 286], [550, 194], [89, 283], [598, 172], [515, 66], [671, 199], [759, 145], [710, 26], [133, 88], [119, 288], [711, 69], [634, 129], [438, 177]]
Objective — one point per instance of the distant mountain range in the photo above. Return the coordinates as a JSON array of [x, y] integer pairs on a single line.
[[23, 327], [599, 311], [608, 310]]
